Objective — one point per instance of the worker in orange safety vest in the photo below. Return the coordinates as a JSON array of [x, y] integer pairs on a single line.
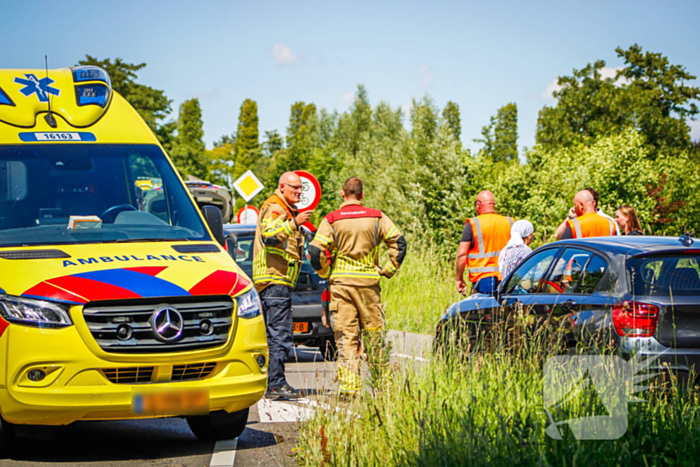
[[587, 223], [483, 239]]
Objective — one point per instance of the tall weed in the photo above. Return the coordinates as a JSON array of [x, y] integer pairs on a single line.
[[485, 407], [419, 293]]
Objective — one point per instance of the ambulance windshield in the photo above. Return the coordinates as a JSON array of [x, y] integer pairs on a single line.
[[92, 193]]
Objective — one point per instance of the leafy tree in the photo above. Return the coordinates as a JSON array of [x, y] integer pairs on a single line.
[[617, 166], [220, 162], [225, 140], [451, 115], [273, 143], [357, 123], [188, 152], [166, 134], [247, 145], [658, 91], [299, 140], [648, 94], [150, 103], [500, 137]]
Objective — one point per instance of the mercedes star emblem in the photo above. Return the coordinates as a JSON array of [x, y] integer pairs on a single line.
[[167, 324]]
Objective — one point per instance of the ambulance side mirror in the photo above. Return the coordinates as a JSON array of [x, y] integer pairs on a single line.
[[215, 222]]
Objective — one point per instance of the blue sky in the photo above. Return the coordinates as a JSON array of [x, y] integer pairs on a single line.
[[481, 55]]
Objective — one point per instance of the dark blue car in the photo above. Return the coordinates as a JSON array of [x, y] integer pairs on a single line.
[[640, 294]]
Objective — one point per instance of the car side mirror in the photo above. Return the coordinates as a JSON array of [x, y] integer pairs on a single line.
[[231, 246], [215, 222]]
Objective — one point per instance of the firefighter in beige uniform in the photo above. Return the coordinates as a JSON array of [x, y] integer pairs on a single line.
[[352, 235], [277, 256]]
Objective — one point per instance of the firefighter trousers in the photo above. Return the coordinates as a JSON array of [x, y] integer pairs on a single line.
[[277, 310], [352, 309]]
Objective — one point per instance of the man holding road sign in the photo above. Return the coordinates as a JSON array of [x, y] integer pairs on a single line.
[[277, 257]]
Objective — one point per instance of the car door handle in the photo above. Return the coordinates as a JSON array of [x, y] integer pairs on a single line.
[[568, 305]]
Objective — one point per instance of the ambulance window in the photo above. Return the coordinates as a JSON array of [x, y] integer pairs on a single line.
[[147, 186], [13, 180], [126, 192]]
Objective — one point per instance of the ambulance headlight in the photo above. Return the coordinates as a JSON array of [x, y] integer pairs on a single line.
[[34, 312], [249, 305]]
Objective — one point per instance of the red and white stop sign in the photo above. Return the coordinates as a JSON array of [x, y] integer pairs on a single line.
[[311, 191]]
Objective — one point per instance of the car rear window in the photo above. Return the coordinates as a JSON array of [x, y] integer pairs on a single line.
[[665, 275]]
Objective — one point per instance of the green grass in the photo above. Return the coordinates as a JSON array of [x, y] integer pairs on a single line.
[[419, 293], [487, 409]]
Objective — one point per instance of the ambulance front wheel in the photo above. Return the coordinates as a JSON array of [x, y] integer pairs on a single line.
[[218, 425]]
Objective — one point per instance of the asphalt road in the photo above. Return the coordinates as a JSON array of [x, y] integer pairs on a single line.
[[268, 439]]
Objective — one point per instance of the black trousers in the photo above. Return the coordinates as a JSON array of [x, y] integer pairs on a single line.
[[277, 311]]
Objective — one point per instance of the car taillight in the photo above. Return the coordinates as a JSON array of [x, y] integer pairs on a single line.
[[635, 319], [325, 296]]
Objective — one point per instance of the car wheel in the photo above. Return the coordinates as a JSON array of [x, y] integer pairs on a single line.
[[328, 348], [218, 425]]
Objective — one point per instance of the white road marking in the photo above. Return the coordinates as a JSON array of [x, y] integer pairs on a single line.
[[313, 403], [224, 453], [401, 355], [279, 412]]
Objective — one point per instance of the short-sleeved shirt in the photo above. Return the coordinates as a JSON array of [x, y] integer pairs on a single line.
[[468, 234]]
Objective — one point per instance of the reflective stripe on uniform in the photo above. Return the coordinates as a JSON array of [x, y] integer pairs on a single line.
[[612, 230], [577, 226], [355, 274], [486, 269], [391, 233], [492, 254], [479, 235], [325, 240]]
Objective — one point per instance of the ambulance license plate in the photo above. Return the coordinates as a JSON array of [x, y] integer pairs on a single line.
[[171, 402], [301, 327]]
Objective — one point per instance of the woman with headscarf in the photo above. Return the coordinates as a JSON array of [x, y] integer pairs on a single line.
[[522, 233]]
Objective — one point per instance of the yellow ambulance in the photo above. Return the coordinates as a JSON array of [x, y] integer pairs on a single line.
[[117, 299]]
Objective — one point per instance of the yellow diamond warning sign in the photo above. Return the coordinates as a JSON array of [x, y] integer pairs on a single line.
[[248, 185]]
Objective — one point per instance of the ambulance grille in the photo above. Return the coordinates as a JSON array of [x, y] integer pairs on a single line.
[[125, 326], [192, 371], [129, 375]]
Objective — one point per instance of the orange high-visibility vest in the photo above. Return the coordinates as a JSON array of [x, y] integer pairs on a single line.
[[591, 225], [274, 199], [491, 233]]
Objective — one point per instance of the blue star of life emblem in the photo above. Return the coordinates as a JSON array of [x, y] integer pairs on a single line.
[[41, 87]]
